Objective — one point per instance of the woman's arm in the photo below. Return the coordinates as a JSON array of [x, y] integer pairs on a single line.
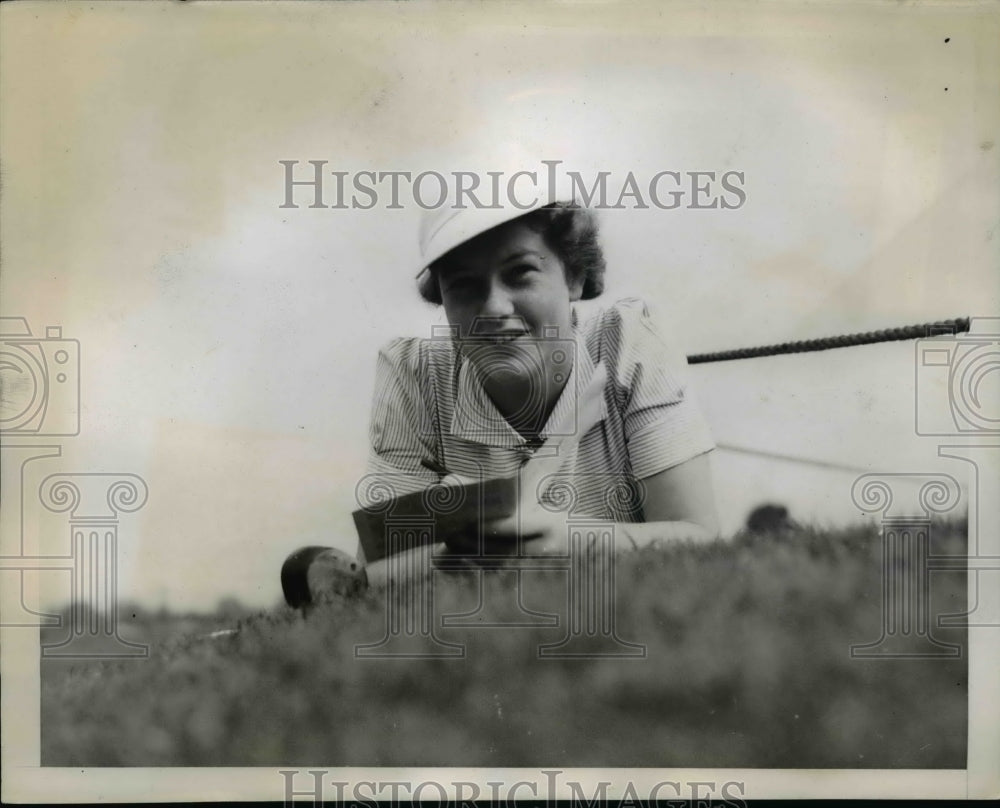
[[679, 503]]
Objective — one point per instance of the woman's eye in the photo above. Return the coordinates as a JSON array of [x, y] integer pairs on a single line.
[[523, 271]]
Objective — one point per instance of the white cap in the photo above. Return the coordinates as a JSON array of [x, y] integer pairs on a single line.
[[446, 227]]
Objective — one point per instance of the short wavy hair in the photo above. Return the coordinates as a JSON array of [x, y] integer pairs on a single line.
[[569, 230]]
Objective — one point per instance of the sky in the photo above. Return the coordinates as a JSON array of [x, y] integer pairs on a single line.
[[227, 345]]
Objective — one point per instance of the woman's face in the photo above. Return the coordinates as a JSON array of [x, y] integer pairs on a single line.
[[507, 293]]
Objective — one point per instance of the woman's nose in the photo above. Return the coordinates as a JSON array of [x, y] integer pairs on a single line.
[[498, 302]]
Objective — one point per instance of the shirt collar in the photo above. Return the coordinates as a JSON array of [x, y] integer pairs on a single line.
[[476, 418]]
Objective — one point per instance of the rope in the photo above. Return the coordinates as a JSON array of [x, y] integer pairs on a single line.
[[729, 447], [956, 326], [806, 461]]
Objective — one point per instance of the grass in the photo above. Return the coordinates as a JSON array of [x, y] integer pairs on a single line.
[[747, 665]]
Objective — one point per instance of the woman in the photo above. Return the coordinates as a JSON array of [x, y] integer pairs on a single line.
[[520, 386]]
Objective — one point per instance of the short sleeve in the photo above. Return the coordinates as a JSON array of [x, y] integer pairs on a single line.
[[402, 430], [663, 423]]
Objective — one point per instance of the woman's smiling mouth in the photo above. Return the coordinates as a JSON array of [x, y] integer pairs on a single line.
[[506, 336]]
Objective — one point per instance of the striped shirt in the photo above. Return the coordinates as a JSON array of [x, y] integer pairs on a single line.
[[430, 410]]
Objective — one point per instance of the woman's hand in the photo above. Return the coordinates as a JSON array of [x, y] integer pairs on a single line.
[[678, 506], [532, 531], [541, 532]]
